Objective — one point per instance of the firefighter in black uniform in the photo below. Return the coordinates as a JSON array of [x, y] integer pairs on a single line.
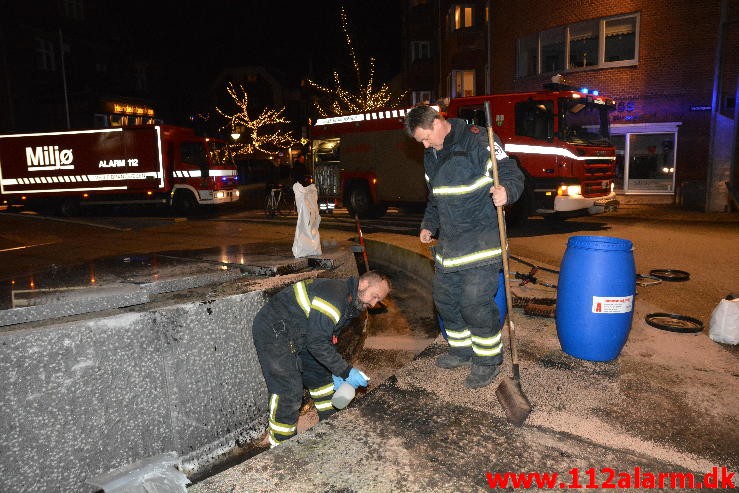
[[468, 254], [294, 334]]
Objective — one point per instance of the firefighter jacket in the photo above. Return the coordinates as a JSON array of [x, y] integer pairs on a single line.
[[314, 311], [460, 210]]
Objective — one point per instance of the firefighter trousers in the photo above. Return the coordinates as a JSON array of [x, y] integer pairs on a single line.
[[465, 301], [287, 370]]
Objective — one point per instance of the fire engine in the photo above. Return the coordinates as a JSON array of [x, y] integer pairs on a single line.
[[152, 164], [558, 136]]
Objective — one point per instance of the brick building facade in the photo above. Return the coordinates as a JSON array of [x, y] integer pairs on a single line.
[[670, 64]]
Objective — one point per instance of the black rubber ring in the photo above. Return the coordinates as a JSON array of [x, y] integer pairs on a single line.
[[697, 324], [671, 275]]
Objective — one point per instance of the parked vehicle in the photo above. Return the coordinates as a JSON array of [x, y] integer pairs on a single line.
[[559, 137], [153, 164]]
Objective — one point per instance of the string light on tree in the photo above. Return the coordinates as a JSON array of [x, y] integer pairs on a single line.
[[342, 101], [262, 134]]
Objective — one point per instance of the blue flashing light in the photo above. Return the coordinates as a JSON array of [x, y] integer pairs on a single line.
[[595, 93], [584, 90]]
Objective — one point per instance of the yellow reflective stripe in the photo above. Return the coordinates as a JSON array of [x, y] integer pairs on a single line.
[[321, 391], [326, 308], [273, 423], [323, 405], [486, 341], [282, 429], [462, 189], [301, 295], [468, 259], [273, 400], [273, 442], [486, 351], [458, 334], [461, 343]]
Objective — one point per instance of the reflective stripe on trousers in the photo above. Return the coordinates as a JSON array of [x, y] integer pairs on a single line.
[[278, 432]]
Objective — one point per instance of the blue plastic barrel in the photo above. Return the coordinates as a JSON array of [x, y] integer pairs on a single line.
[[499, 300], [595, 297]]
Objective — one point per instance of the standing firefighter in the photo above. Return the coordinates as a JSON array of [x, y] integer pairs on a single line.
[[294, 335], [468, 256]]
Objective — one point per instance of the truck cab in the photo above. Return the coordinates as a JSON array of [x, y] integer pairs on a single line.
[[560, 139]]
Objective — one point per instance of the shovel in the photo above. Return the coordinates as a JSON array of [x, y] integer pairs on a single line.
[[509, 393]]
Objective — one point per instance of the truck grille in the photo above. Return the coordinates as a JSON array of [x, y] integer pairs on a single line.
[[597, 178], [595, 188]]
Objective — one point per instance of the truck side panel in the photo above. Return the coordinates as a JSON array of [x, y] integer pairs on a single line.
[[63, 162], [396, 160]]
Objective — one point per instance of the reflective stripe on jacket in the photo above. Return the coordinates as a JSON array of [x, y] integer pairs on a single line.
[[460, 209], [314, 311]]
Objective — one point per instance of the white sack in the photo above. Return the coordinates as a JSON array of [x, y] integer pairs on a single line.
[[725, 322], [307, 239]]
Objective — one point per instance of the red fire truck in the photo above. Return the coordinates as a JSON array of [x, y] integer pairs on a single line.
[[559, 137], [159, 164]]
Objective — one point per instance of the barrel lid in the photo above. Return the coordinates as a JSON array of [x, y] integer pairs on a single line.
[[600, 243]]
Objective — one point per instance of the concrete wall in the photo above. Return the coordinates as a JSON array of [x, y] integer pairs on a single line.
[[85, 396]]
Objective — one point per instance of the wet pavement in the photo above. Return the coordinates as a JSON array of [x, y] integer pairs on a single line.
[[666, 405]]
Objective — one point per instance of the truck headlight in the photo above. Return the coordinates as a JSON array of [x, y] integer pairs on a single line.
[[569, 190], [220, 194]]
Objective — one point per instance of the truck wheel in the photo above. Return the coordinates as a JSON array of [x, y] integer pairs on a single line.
[[184, 203], [359, 201], [517, 213], [68, 207]]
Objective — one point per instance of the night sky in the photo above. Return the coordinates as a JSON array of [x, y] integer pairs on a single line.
[[291, 39]]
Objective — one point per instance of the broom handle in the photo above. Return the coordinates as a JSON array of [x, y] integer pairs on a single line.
[[503, 246]]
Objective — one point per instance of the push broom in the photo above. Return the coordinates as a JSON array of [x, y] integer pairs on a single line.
[[509, 393]]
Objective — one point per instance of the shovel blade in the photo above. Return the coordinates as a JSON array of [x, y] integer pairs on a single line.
[[515, 403]]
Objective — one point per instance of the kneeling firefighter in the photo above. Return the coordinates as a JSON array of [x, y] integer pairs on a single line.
[[294, 334]]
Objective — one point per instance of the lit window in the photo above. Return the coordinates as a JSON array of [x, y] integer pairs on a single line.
[[462, 83], [461, 17], [620, 39], [595, 43], [584, 44]]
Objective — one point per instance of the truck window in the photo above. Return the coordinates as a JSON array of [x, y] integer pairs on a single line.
[[584, 122], [534, 119], [475, 116], [193, 153]]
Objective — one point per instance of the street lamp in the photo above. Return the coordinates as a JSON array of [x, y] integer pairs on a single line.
[[236, 132]]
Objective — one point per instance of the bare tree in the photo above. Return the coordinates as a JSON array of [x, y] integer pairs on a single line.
[[367, 97], [265, 133]]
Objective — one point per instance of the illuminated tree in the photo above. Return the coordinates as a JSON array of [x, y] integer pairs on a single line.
[[264, 134], [367, 97]]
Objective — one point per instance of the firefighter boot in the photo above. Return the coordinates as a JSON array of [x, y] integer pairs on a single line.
[[449, 361], [481, 375]]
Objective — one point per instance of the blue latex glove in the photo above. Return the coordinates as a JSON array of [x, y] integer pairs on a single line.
[[337, 381], [357, 379]]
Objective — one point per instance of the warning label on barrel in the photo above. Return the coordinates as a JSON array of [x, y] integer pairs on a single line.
[[606, 304]]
